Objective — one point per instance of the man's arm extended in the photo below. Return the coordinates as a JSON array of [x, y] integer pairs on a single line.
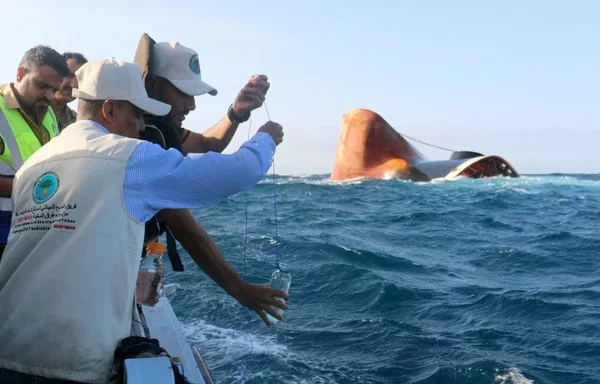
[[218, 137], [166, 179], [205, 253], [215, 139], [6, 185]]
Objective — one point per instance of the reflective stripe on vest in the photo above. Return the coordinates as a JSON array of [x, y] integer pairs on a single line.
[[19, 142]]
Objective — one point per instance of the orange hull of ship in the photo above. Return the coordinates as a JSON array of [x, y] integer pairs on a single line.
[[370, 147]]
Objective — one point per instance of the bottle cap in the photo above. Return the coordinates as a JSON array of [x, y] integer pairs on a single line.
[[283, 267], [155, 247]]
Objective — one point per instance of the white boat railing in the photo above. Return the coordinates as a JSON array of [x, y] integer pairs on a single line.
[[164, 326]]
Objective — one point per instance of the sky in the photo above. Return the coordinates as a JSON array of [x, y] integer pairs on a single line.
[[515, 78]]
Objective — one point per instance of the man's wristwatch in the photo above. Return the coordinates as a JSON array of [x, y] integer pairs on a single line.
[[235, 118]]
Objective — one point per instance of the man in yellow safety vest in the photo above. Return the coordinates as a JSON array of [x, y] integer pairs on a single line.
[[26, 120]]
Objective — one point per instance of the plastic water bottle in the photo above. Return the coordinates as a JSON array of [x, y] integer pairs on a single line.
[[149, 284], [280, 279]]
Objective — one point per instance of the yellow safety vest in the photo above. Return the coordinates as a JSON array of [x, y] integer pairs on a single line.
[[19, 141]]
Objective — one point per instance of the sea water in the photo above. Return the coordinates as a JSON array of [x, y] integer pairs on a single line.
[[469, 281]]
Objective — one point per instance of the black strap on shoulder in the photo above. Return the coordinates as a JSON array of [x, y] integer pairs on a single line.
[[174, 257]]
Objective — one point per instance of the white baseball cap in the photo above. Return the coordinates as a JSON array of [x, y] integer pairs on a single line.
[[116, 80], [181, 67]]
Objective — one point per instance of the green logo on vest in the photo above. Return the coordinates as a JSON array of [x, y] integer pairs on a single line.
[[45, 187]]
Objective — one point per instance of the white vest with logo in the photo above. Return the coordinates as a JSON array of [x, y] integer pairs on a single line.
[[67, 277]]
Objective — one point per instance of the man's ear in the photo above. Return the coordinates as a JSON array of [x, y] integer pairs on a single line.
[[21, 72], [108, 110]]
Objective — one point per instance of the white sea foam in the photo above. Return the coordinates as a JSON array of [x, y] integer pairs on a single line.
[[230, 344], [270, 239], [512, 376], [523, 180], [351, 250]]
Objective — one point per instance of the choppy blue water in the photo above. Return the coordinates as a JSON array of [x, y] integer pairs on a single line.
[[470, 281]]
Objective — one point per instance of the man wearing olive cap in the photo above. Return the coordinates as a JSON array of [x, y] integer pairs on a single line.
[[172, 75], [67, 278]]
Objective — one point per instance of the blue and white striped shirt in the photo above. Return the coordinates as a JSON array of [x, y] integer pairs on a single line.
[[156, 179]]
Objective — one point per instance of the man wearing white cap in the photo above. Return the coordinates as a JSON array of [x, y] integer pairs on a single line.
[[172, 75], [67, 278]]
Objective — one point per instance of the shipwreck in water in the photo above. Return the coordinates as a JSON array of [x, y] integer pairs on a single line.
[[369, 147]]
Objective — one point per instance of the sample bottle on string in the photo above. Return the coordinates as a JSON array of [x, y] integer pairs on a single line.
[[281, 279]]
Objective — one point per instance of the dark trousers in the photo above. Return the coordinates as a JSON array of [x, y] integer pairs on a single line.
[[13, 377]]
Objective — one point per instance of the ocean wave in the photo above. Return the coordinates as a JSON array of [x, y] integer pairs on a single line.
[[468, 281]]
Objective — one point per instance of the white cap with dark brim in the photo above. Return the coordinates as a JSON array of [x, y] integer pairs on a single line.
[[181, 67], [116, 80]]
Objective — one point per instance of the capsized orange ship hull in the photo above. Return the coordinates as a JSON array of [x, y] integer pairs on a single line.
[[369, 147]]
